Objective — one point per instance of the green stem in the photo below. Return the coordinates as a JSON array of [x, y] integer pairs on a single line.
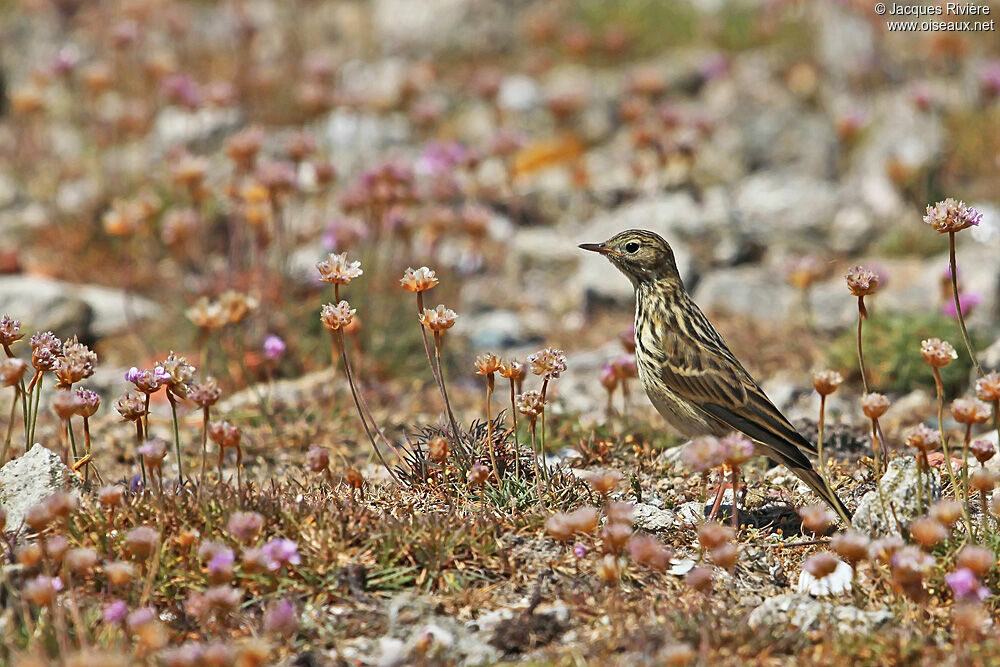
[[204, 450], [138, 444], [489, 426], [10, 427], [517, 450], [72, 441], [177, 438], [862, 314], [944, 446], [459, 445], [965, 477], [958, 305], [358, 403]]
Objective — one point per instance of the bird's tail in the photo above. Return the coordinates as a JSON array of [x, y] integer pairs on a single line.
[[816, 483], [793, 459]]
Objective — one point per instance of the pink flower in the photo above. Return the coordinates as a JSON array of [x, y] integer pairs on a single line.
[[115, 612], [274, 347], [968, 301], [965, 585], [281, 552]]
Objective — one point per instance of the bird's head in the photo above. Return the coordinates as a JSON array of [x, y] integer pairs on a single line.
[[642, 256]]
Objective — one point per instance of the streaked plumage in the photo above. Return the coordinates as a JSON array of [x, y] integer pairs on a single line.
[[688, 371]]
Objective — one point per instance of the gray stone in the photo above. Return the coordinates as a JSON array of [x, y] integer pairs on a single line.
[[806, 613], [774, 206], [846, 40], [990, 357], [653, 519], [69, 308], [496, 330], [899, 493], [174, 125], [754, 291], [411, 618], [30, 479], [519, 92]]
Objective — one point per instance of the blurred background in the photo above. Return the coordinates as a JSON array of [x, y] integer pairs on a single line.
[[153, 152]]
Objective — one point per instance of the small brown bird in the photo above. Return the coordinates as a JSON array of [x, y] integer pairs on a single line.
[[688, 371]]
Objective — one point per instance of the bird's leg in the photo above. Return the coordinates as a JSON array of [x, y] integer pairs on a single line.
[[735, 509], [718, 498]]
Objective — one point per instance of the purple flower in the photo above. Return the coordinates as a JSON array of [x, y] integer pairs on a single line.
[[439, 158], [115, 612], [135, 484], [965, 585], [160, 374], [221, 562], [132, 375], [968, 301], [280, 618], [181, 89], [281, 552], [579, 550], [274, 347]]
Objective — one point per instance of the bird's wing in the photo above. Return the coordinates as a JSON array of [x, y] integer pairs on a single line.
[[711, 379], [708, 376]]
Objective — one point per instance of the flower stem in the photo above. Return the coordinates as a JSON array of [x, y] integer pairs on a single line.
[[357, 401], [965, 476], [72, 440], [517, 450], [944, 446], [177, 438], [204, 450], [538, 474], [459, 445], [958, 305], [86, 447], [10, 426], [489, 426], [138, 444]]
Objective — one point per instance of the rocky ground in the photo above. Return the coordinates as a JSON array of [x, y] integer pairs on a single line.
[[153, 153]]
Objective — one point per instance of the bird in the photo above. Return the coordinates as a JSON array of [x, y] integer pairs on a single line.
[[688, 371]]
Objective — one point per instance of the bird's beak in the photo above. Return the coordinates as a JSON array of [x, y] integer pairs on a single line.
[[601, 248]]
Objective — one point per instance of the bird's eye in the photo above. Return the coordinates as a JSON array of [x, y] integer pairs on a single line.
[[631, 247]]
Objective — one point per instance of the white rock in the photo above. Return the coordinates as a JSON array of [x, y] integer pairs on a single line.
[[30, 479], [806, 613], [899, 493], [835, 583]]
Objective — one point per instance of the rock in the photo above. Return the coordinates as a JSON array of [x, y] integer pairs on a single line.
[[88, 311], [441, 25], [30, 479], [990, 357], [497, 330], [899, 490], [846, 41], [777, 205], [835, 583], [754, 291], [653, 519], [174, 125], [806, 613], [518, 92], [414, 619]]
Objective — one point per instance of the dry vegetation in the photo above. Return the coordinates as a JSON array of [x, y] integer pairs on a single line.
[[327, 472]]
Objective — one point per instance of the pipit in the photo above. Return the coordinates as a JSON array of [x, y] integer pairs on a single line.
[[688, 371]]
